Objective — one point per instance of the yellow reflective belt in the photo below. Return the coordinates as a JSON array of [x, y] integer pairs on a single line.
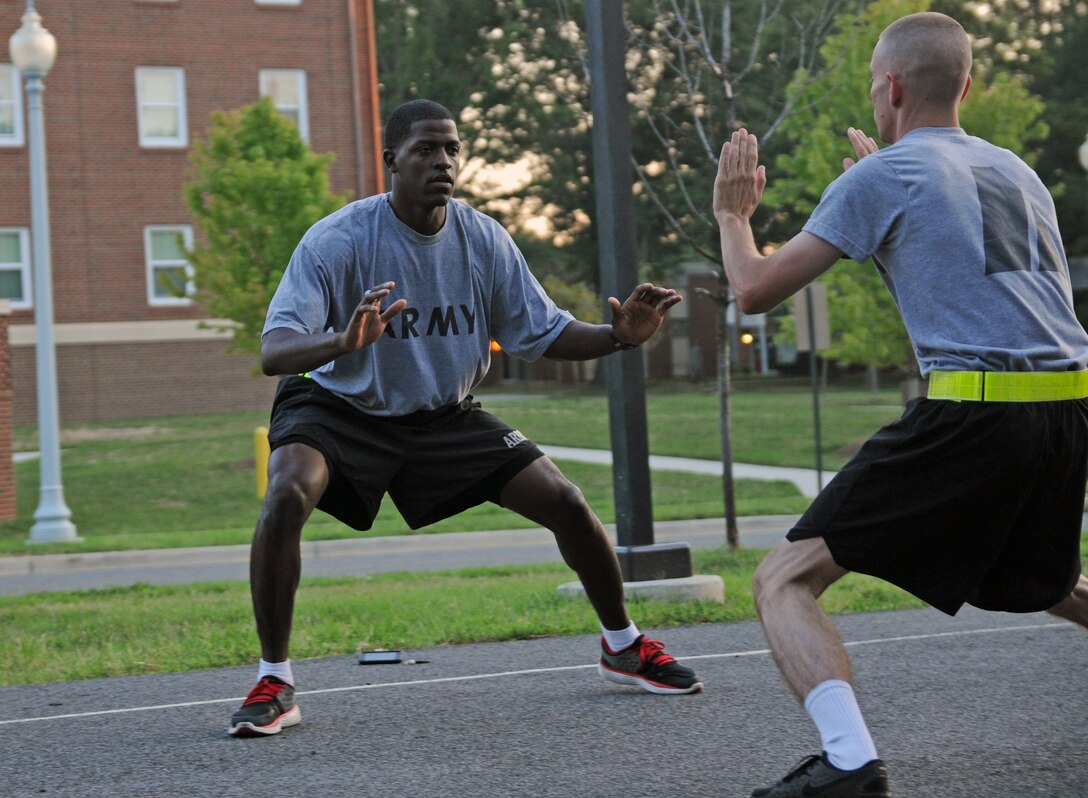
[[1008, 386]]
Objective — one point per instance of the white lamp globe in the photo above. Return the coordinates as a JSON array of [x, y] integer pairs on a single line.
[[32, 47]]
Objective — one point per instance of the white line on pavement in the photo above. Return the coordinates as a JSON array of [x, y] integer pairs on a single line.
[[527, 672]]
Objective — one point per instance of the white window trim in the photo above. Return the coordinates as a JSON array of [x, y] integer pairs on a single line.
[[278, 2], [303, 107], [23, 268], [161, 142], [17, 138], [151, 265]]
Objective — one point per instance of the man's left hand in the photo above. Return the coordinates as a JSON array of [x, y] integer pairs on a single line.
[[642, 314]]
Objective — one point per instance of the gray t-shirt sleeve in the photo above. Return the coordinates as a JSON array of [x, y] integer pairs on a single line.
[[524, 319], [302, 300], [861, 210]]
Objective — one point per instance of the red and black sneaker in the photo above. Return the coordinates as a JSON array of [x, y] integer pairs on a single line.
[[268, 708], [645, 664]]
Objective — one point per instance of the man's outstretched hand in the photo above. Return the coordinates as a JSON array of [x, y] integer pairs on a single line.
[[642, 314], [369, 320], [738, 187]]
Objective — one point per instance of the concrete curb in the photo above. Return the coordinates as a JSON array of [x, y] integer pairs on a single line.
[[700, 587]]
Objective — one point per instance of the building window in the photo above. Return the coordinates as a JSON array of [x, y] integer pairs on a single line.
[[287, 90], [15, 267], [11, 107], [169, 275], [279, 2], [160, 105]]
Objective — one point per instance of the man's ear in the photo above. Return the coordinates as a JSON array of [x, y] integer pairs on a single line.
[[966, 88], [895, 90], [390, 159]]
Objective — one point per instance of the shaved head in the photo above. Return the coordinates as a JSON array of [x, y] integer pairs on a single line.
[[930, 54]]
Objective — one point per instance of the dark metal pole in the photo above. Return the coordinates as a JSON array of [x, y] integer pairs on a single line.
[[725, 391], [615, 223]]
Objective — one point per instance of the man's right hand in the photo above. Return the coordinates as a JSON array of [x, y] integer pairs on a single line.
[[738, 187], [288, 351], [368, 321]]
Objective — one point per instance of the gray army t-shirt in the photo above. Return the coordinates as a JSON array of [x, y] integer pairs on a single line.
[[465, 285], [965, 237]]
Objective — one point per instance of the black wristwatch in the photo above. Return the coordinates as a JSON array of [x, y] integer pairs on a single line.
[[616, 342]]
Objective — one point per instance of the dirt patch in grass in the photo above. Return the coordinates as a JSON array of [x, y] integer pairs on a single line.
[[80, 434]]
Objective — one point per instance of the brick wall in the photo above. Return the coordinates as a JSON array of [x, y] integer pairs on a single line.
[[103, 382], [104, 188]]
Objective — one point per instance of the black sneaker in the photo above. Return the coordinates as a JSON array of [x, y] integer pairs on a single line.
[[645, 664], [269, 707], [815, 776]]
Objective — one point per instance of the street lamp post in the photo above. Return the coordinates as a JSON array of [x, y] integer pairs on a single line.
[[33, 50]]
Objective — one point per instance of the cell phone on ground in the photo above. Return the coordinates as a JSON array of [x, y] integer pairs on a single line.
[[380, 657]]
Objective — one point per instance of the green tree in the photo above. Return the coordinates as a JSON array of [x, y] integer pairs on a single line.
[[255, 189], [514, 73]]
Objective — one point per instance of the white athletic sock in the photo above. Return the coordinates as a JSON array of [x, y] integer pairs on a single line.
[[834, 709], [619, 639], [281, 670]]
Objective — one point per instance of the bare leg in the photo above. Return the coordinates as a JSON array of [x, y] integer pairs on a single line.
[[542, 494], [297, 476], [1074, 607], [805, 643]]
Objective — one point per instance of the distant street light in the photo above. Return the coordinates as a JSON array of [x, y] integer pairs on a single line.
[[33, 51]]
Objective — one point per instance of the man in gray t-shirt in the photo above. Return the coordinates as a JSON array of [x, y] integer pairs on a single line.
[[976, 495], [384, 320]]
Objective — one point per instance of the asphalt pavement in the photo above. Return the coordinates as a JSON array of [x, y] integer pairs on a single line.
[[980, 705]]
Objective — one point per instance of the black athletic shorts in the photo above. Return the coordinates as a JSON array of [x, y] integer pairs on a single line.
[[432, 463], [964, 502]]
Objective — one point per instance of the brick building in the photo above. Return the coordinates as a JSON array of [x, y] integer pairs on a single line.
[[135, 81]]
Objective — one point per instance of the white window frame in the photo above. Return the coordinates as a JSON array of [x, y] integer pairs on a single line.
[[16, 139], [152, 265], [278, 2], [302, 109], [168, 142], [23, 267]]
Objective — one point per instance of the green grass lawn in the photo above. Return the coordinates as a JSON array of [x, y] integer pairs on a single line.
[[190, 481], [144, 629], [772, 425]]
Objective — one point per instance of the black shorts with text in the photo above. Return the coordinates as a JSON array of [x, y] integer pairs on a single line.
[[432, 463]]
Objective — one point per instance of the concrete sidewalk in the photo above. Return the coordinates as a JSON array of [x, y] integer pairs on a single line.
[[806, 479]]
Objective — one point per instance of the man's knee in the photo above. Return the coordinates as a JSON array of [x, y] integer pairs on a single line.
[[567, 502], [767, 577], [297, 477], [542, 493], [803, 564]]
